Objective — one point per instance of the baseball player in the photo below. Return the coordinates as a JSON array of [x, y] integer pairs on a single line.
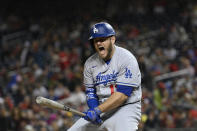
[[113, 85]]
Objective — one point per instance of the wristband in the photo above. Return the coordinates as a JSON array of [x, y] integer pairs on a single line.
[[92, 98]]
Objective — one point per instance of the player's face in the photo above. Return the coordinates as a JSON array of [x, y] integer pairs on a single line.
[[104, 46]]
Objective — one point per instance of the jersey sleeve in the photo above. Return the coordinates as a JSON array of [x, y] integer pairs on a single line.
[[88, 79], [129, 73]]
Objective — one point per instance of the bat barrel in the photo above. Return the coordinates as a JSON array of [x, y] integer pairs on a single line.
[[55, 105]]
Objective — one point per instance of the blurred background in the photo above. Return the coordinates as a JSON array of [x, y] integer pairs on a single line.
[[43, 46]]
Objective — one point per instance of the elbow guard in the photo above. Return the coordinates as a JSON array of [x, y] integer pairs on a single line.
[[92, 98]]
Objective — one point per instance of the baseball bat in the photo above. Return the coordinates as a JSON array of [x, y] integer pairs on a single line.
[[56, 105]]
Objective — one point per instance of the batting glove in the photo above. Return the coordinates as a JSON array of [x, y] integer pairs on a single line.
[[93, 115]]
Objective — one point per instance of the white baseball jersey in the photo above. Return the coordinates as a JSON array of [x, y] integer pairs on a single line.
[[123, 69]]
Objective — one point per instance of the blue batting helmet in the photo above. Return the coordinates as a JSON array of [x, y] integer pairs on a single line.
[[101, 29]]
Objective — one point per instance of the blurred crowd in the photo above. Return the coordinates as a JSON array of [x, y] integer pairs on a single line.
[[44, 56]]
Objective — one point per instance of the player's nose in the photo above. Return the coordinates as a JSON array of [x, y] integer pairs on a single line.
[[98, 43]]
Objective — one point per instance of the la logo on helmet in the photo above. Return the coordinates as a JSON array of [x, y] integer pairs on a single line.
[[95, 30]]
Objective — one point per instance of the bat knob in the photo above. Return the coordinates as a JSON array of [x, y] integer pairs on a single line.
[[38, 99]]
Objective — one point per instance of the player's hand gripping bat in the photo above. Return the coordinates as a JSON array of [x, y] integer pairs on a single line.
[[56, 105]]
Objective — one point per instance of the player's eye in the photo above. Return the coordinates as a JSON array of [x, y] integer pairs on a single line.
[[103, 39]]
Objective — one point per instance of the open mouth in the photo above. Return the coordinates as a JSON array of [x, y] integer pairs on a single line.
[[101, 48]]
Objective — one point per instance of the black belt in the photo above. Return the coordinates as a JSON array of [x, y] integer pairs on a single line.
[[130, 103]]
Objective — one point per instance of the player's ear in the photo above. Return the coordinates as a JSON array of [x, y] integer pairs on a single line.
[[113, 39]]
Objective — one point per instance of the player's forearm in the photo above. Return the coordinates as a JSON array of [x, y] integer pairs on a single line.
[[115, 100]]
